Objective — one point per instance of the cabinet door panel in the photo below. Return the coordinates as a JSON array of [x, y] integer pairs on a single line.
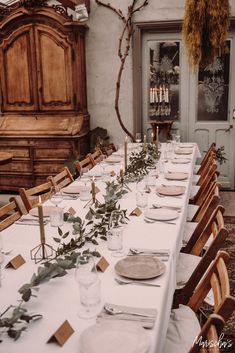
[[54, 62], [17, 71]]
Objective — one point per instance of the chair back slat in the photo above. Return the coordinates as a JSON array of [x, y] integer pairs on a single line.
[[86, 164], [9, 213], [31, 197], [62, 179]]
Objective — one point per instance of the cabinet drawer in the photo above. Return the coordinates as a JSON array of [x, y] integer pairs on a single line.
[[52, 153], [17, 167], [50, 168], [18, 152]]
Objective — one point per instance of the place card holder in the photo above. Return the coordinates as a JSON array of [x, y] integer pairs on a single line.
[[102, 264], [62, 334], [136, 212], [16, 262]]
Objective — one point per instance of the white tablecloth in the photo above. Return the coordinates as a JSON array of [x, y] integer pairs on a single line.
[[58, 299]]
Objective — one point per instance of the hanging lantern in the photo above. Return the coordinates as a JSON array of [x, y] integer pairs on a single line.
[[205, 28]]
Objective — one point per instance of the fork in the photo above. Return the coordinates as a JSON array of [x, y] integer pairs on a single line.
[[147, 220], [140, 283]]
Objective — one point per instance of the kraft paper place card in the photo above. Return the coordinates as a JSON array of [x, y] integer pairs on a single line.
[[62, 334], [71, 211], [112, 173], [97, 190], [16, 262], [102, 264], [136, 212]]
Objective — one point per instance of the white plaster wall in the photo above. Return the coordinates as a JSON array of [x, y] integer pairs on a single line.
[[103, 62]]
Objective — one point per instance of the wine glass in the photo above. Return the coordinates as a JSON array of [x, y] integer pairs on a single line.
[[89, 286], [115, 233], [138, 137], [56, 195]]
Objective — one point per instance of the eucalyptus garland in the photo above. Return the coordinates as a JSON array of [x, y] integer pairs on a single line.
[[141, 162], [14, 319]]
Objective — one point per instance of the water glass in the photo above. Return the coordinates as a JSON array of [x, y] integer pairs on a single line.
[[85, 194], [56, 195], [138, 137], [115, 233], [88, 285], [141, 199], [57, 217]]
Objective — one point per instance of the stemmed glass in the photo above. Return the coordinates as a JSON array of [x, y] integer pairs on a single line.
[[89, 286], [56, 195], [138, 137], [115, 233]]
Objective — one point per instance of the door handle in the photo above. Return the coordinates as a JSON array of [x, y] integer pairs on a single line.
[[229, 128]]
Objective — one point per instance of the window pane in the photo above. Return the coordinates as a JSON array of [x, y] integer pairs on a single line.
[[213, 89], [164, 80]]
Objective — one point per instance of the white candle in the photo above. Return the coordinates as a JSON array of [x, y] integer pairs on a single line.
[[41, 224], [167, 96], [144, 142], [160, 94], [152, 136], [156, 96], [157, 137]]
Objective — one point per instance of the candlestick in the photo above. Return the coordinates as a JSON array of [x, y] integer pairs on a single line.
[[125, 154], [157, 137], [93, 189], [121, 174], [145, 143], [41, 224]]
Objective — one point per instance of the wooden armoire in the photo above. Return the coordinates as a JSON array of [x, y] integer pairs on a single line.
[[43, 105]]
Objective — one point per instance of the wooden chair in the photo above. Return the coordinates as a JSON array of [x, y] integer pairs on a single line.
[[203, 213], [9, 213], [192, 265], [184, 325], [62, 179], [97, 156], [211, 150], [31, 197], [86, 164]]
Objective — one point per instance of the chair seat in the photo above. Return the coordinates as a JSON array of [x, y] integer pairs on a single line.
[[192, 209], [182, 330], [196, 168], [196, 177], [188, 231], [185, 266], [193, 191]]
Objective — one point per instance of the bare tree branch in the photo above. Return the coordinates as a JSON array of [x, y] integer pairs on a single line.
[[127, 33]]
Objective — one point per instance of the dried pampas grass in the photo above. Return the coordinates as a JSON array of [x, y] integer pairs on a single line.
[[205, 28]]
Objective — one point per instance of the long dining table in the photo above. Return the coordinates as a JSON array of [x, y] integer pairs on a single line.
[[58, 299]]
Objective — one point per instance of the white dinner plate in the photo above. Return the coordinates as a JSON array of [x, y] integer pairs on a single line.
[[72, 189], [176, 176], [114, 337], [186, 145], [180, 161], [161, 214], [47, 210], [183, 151]]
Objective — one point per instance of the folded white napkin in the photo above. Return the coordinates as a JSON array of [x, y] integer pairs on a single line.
[[146, 322]]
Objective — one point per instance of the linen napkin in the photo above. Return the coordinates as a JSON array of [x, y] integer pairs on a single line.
[[146, 322]]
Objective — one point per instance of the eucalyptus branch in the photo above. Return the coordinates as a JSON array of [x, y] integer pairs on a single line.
[[117, 11]]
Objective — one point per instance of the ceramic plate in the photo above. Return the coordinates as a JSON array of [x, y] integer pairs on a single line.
[[184, 151], [161, 214], [180, 161], [140, 267], [176, 176], [113, 160], [72, 189], [115, 337], [171, 190], [186, 145], [47, 210]]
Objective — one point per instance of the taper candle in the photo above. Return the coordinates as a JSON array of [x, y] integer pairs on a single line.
[[145, 143], [121, 174], [125, 154], [157, 137], [152, 137], [41, 224], [93, 189]]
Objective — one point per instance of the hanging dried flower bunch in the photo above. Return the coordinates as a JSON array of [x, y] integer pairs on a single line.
[[205, 28]]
